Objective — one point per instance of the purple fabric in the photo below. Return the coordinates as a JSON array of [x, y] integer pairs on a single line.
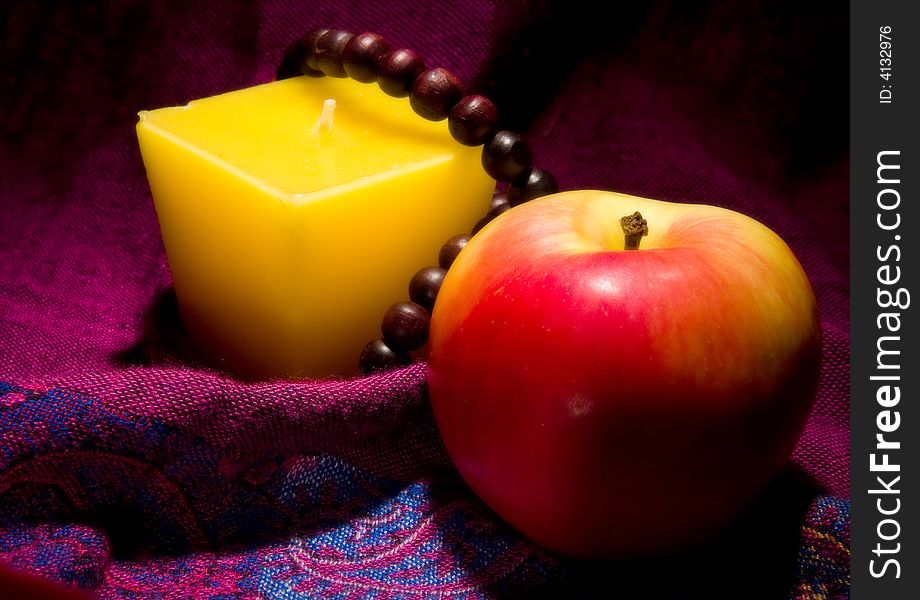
[[128, 468]]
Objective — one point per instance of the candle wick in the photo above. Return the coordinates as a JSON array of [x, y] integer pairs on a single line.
[[325, 118]]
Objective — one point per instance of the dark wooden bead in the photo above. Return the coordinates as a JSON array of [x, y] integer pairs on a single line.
[[434, 92], [499, 205], [328, 50], [499, 202], [451, 249], [506, 157], [291, 61], [397, 70], [472, 120], [377, 356], [361, 54], [537, 183], [425, 285], [310, 66], [405, 326]]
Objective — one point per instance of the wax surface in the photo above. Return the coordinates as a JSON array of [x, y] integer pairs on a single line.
[[288, 243]]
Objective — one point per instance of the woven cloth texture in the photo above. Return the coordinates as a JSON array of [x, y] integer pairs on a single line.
[[129, 469]]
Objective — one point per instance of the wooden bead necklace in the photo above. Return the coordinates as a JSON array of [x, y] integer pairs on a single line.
[[434, 94]]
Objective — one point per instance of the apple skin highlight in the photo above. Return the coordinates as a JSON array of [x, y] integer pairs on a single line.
[[611, 402]]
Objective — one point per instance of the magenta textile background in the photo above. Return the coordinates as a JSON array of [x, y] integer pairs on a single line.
[[128, 468]]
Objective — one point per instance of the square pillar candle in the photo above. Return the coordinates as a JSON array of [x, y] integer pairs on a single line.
[[289, 235]]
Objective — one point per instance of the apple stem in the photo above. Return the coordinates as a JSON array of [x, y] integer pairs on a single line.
[[634, 227]]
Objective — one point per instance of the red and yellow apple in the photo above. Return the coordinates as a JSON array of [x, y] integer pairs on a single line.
[[613, 402]]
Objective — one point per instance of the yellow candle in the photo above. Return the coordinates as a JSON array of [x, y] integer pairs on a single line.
[[287, 237]]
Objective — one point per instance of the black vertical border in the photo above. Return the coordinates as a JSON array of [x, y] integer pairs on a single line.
[[876, 127]]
